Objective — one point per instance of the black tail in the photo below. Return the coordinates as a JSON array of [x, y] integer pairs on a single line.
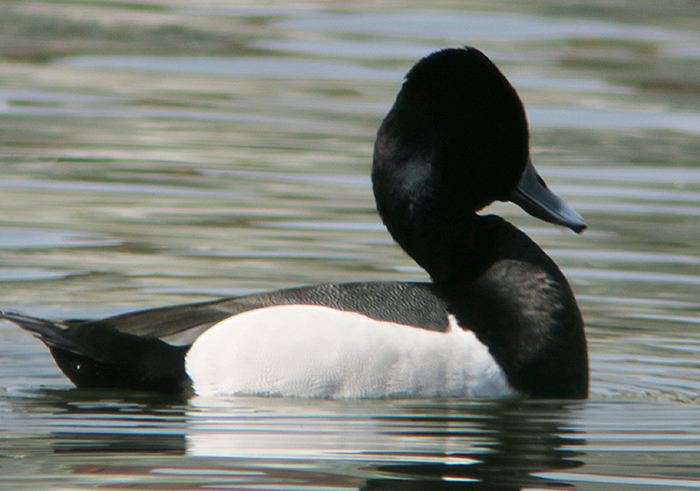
[[51, 333], [95, 355]]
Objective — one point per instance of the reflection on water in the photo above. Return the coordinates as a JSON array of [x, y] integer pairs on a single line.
[[240, 163], [254, 443], [317, 444]]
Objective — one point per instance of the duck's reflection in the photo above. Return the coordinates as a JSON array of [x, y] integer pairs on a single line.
[[403, 445], [110, 422], [373, 445], [523, 440]]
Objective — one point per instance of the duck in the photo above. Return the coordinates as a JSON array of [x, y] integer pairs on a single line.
[[497, 319]]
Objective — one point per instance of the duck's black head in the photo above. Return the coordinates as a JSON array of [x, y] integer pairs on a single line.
[[455, 140], [458, 119]]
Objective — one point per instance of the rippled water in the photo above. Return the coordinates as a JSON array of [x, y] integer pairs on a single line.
[[153, 154]]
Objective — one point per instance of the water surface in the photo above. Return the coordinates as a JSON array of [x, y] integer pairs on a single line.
[[177, 154]]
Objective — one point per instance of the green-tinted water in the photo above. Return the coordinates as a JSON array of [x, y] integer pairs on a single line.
[[158, 153]]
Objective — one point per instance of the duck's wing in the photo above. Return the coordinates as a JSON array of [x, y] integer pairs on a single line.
[[413, 304]]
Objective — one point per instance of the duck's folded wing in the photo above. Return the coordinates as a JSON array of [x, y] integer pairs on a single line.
[[413, 304]]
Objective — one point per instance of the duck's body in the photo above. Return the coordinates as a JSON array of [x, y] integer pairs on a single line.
[[498, 319]]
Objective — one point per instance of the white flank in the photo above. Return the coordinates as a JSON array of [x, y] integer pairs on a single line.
[[310, 351]]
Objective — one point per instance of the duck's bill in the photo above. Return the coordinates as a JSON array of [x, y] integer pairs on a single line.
[[533, 196]]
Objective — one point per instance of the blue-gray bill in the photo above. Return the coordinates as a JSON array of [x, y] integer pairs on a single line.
[[533, 196]]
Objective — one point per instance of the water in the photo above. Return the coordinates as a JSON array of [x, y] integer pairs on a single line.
[[177, 154]]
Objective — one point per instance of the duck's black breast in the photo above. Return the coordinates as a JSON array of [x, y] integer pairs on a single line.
[[520, 305]]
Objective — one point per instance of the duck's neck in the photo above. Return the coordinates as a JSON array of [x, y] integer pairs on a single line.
[[502, 286]]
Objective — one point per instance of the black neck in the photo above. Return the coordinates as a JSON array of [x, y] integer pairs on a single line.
[[513, 296]]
